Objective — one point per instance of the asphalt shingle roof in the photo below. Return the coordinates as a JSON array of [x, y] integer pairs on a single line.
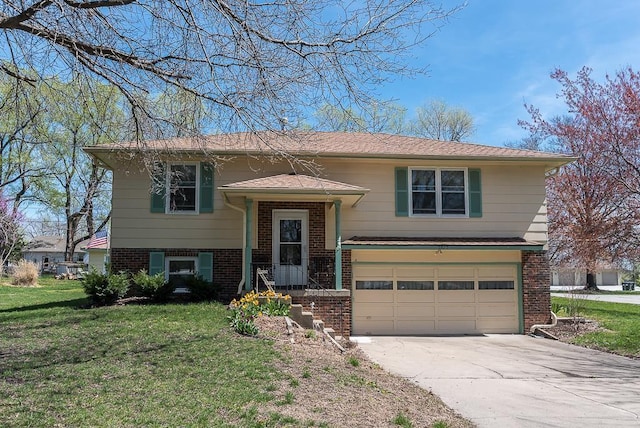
[[294, 182], [331, 144]]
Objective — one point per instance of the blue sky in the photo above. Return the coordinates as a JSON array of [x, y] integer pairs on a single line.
[[493, 56]]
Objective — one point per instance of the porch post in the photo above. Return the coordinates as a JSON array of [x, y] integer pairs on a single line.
[[338, 257], [248, 285]]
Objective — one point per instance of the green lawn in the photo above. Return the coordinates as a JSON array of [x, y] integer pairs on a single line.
[[135, 365], [620, 319]]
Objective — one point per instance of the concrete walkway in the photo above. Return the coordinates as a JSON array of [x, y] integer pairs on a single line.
[[516, 380], [634, 299]]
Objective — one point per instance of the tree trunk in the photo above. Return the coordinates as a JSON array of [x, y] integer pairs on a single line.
[[591, 282]]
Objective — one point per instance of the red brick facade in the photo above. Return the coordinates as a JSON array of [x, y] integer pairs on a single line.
[[334, 311], [535, 288], [227, 264], [320, 259]]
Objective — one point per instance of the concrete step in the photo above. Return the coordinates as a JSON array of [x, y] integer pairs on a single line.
[[306, 320], [295, 312], [331, 332]]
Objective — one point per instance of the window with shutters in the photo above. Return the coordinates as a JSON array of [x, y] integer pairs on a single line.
[[183, 188], [178, 271], [438, 192], [183, 182]]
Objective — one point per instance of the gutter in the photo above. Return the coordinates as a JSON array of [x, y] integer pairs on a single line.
[[244, 239]]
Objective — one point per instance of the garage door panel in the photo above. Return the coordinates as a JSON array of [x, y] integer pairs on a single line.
[[374, 296], [496, 310], [497, 296], [415, 327], [498, 325], [455, 296], [409, 296], [456, 311], [415, 311], [375, 310], [376, 326], [456, 326]]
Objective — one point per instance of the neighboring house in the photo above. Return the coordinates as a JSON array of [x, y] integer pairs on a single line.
[[97, 252], [48, 251], [574, 277], [430, 237]]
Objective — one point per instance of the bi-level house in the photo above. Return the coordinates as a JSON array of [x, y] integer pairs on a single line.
[[378, 234]]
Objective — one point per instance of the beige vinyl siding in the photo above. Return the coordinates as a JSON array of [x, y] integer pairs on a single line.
[[513, 206], [134, 226]]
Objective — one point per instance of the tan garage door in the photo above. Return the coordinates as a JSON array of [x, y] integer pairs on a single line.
[[460, 299]]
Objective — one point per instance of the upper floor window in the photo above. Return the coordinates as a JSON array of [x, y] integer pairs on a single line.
[[438, 191], [183, 188]]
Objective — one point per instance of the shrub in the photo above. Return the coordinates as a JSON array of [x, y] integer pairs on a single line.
[[25, 273], [201, 289], [105, 289], [155, 287], [243, 323]]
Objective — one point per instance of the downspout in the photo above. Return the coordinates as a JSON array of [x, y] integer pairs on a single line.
[[337, 204], [244, 238], [554, 322]]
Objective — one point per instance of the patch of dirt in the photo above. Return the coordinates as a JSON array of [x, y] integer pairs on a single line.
[[344, 389], [568, 329]]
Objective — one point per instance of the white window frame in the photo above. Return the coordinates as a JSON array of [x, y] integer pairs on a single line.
[[438, 174], [167, 274], [168, 177]]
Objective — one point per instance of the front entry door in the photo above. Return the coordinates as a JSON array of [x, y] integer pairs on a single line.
[[290, 247]]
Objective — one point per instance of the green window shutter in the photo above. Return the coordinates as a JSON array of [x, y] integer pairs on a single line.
[[475, 193], [156, 262], [205, 266], [206, 187], [158, 189], [402, 192]]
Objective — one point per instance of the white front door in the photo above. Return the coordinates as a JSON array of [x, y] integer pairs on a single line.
[[290, 247]]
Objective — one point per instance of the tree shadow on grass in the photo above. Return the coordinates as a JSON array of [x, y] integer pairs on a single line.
[[74, 303]]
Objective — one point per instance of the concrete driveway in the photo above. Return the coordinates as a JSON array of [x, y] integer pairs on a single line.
[[516, 380]]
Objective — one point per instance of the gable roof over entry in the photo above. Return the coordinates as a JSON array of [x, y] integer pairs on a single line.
[[295, 187]]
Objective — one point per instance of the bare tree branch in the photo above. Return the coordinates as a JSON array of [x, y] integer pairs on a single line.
[[249, 63]]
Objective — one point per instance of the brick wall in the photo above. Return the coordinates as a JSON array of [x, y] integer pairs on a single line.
[[535, 288], [335, 311], [319, 258], [227, 264], [316, 224], [346, 270]]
